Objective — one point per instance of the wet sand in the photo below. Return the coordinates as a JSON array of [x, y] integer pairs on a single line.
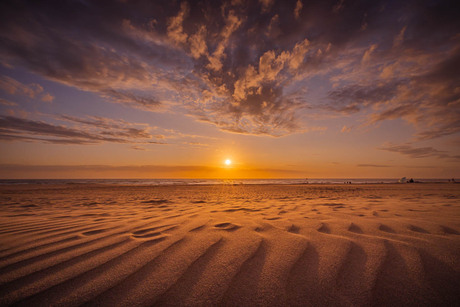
[[245, 245]]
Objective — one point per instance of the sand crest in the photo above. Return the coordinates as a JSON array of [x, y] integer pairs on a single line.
[[247, 245]]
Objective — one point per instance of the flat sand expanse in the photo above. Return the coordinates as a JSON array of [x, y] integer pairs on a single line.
[[247, 245]]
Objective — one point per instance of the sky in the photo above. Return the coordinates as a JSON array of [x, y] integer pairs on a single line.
[[282, 88]]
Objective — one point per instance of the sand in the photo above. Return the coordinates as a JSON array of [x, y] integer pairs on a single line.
[[245, 245]]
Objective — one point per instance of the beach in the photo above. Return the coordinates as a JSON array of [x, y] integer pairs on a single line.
[[230, 245]]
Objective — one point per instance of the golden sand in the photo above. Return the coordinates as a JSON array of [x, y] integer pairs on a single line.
[[247, 245]]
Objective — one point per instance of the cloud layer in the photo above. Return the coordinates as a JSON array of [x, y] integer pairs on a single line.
[[420, 152], [76, 131], [245, 66]]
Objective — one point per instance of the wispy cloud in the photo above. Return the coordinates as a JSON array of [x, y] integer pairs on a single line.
[[139, 148], [5, 102], [91, 130], [419, 152], [373, 165], [33, 90], [88, 131]]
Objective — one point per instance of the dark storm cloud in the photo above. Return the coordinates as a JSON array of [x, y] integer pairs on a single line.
[[88, 131], [245, 66]]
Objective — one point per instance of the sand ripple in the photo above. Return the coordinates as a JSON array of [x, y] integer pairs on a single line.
[[230, 245]]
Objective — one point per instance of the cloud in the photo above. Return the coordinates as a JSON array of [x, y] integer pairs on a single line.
[[129, 98], [112, 63], [418, 152], [139, 148], [353, 98], [422, 91], [399, 38], [33, 90], [266, 5], [14, 87], [88, 131], [373, 165], [396, 166], [175, 28], [345, 129], [47, 97], [5, 102], [197, 42], [196, 144], [257, 104], [253, 67], [231, 24], [91, 130], [298, 9], [367, 55], [339, 6]]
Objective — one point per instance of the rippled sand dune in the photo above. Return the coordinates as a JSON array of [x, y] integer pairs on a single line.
[[321, 245]]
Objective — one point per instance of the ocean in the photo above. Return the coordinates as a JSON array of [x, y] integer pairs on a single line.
[[162, 182]]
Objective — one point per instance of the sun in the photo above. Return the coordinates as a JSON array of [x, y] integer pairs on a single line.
[[228, 162]]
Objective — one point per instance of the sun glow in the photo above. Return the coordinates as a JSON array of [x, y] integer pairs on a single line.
[[228, 162]]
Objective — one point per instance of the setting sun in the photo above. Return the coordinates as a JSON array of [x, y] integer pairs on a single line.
[[228, 162]]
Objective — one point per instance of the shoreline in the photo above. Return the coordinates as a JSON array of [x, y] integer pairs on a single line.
[[44, 184]]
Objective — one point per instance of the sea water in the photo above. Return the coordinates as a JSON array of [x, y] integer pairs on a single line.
[[161, 182]]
